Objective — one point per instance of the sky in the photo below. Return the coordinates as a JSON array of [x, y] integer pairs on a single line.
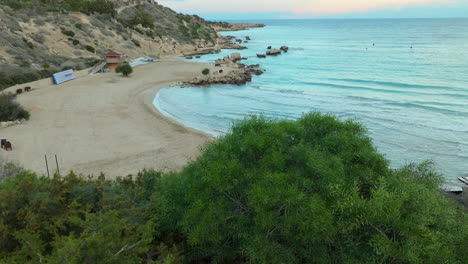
[[290, 9]]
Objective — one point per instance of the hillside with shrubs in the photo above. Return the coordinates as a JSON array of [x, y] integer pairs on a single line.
[[40, 37]]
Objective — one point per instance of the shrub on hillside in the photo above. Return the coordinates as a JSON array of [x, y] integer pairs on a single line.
[[11, 75], [90, 48], [75, 42], [79, 26], [10, 110], [68, 33], [125, 69], [136, 42], [313, 190]]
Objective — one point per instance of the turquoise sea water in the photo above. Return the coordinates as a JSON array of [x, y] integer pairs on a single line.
[[414, 101]]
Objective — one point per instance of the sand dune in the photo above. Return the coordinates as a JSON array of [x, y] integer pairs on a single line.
[[105, 123]]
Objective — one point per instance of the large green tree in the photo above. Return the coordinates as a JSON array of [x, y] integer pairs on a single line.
[[313, 190]]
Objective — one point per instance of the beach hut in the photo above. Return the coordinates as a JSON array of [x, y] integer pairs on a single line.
[[113, 59]]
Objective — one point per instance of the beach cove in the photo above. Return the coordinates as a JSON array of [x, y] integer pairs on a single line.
[[105, 123]]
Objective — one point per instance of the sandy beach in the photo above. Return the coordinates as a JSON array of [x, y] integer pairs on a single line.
[[105, 123]]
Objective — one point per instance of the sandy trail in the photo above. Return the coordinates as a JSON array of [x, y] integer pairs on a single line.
[[105, 123]]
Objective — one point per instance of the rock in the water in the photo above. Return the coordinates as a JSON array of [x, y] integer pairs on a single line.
[[247, 38], [269, 47], [236, 56], [198, 56], [261, 55], [284, 48], [273, 52], [189, 57]]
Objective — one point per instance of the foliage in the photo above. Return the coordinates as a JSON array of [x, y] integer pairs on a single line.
[[29, 43], [68, 33], [79, 26], [10, 110], [85, 6], [142, 18], [75, 42], [136, 42], [90, 49], [16, 75], [76, 220], [125, 69], [206, 71], [313, 190]]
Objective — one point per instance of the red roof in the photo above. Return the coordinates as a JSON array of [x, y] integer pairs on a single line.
[[112, 54]]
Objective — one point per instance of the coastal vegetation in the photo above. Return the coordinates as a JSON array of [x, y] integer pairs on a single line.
[[10, 110], [314, 190], [125, 69], [206, 71]]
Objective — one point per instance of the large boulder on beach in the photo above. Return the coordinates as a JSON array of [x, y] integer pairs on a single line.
[[273, 52], [236, 56]]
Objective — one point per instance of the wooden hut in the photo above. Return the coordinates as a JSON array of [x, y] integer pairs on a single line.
[[113, 59]]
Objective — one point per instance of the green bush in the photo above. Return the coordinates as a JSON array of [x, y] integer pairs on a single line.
[[11, 110], [79, 26], [136, 42], [206, 71], [313, 190], [125, 69], [68, 33], [85, 6], [73, 220], [90, 48], [75, 42]]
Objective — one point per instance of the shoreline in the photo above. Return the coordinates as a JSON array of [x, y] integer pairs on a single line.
[[88, 148], [106, 123]]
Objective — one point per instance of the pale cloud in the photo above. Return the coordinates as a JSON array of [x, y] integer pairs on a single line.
[[313, 7]]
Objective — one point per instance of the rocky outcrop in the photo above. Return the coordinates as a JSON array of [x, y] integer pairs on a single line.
[[203, 52], [234, 77], [261, 55], [284, 48], [236, 26], [238, 73], [273, 52], [230, 45], [236, 56]]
